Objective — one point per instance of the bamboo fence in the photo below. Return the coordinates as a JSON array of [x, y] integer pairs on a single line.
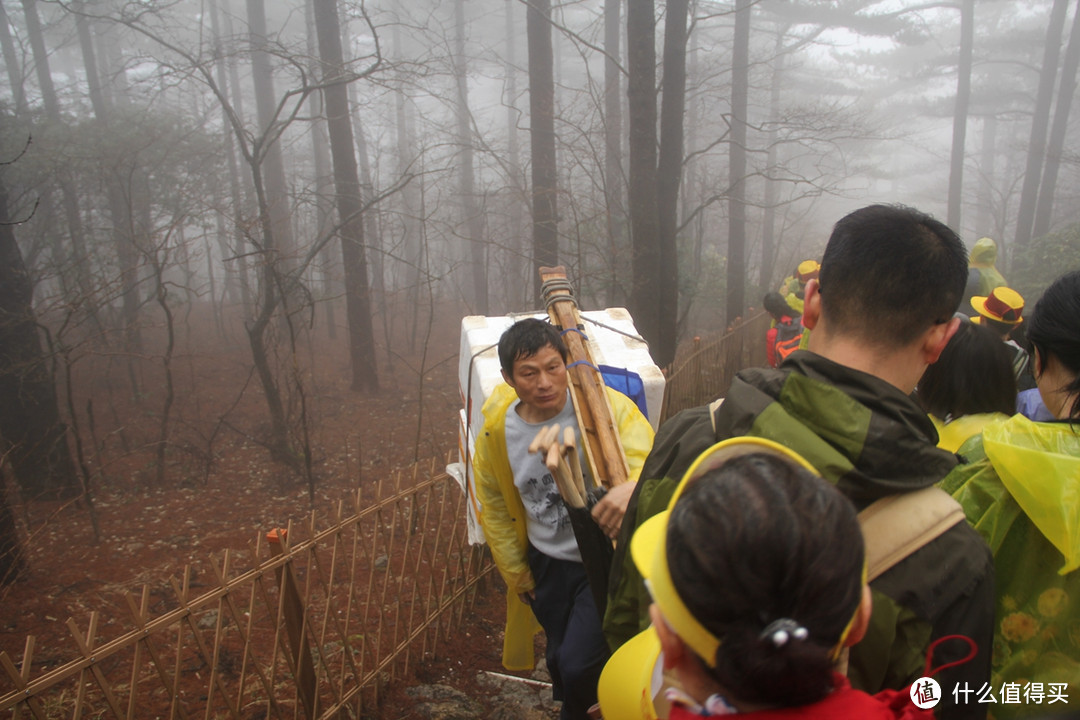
[[706, 373], [313, 625]]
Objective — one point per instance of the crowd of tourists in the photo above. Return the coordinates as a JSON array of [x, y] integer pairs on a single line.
[[884, 523]]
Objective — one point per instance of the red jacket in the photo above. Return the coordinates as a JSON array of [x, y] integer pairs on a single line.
[[842, 703]]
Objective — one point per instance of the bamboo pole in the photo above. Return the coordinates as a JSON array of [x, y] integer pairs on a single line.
[[603, 448]]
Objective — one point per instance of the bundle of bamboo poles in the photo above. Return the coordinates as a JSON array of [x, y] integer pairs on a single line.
[[603, 447], [563, 462]]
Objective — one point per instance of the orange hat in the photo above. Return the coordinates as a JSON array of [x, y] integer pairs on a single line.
[[808, 270], [1003, 304]]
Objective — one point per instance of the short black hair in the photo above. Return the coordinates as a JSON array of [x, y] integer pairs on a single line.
[[775, 304], [889, 273], [974, 374], [525, 338], [1003, 329], [756, 540], [1054, 329]]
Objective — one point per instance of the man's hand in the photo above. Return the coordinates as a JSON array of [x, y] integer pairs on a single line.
[[527, 597], [608, 513]]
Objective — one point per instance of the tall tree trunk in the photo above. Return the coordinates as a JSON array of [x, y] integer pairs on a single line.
[[372, 221], [411, 200], [960, 113], [119, 208], [542, 138], [349, 204], [41, 59], [669, 175], [268, 181], [692, 191], [239, 192], [772, 187], [613, 174], [276, 187], [278, 443], [372, 226], [11, 62], [516, 282], [32, 434], [1045, 206], [324, 178], [79, 259], [473, 225], [1025, 215], [740, 83], [644, 210], [984, 216]]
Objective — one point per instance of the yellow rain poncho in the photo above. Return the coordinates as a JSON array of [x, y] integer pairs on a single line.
[[983, 257], [953, 434], [502, 513], [1021, 491]]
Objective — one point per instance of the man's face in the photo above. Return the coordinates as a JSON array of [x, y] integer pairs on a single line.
[[540, 381]]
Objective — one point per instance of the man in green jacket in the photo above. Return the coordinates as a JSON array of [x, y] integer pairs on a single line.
[[881, 311]]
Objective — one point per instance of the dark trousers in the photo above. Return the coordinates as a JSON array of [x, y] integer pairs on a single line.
[[576, 649]]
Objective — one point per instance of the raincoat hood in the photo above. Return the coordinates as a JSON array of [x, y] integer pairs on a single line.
[[984, 254], [1039, 464]]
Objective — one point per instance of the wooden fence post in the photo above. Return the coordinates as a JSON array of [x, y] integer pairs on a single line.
[[293, 613]]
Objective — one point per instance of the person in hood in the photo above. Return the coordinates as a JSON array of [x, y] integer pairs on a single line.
[[793, 288], [1021, 490], [880, 312], [760, 638], [983, 275]]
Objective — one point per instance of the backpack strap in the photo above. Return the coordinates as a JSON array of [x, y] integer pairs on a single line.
[[896, 526], [713, 407]]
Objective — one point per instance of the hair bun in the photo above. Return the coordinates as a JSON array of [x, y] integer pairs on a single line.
[[779, 631]]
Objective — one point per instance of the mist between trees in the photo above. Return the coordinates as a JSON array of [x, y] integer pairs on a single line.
[[300, 164]]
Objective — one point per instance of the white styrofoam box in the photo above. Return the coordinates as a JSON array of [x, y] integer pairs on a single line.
[[613, 341], [461, 474]]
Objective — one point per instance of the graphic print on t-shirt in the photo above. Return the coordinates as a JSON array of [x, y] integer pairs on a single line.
[[543, 503]]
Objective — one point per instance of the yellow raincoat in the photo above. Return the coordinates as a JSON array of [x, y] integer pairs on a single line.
[[502, 513], [984, 256], [953, 434], [1021, 491]]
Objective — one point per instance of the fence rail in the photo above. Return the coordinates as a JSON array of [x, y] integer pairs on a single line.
[[706, 373], [323, 615]]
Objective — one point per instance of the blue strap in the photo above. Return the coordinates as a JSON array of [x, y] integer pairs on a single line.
[[574, 329], [582, 362]]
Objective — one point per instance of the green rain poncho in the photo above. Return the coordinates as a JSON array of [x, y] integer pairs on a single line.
[[1021, 491]]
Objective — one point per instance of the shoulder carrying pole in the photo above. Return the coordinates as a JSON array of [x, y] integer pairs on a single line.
[[603, 448]]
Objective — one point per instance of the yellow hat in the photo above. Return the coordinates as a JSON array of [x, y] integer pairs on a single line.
[[808, 270], [648, 546], [1003, 304], [632, 678]]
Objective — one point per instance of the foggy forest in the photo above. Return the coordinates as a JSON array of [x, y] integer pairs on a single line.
[[225, 225]]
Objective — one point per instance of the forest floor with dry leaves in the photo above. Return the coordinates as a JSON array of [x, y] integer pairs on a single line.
[[147, 532]]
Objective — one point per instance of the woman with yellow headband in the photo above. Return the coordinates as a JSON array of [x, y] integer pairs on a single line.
[[757, 575]]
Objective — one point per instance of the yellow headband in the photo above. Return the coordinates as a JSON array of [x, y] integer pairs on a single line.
[[834, 655], [649, 543]]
